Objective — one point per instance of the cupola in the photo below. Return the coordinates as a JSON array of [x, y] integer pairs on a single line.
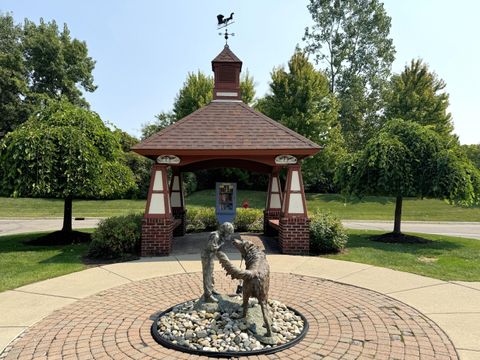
[[226, 67]]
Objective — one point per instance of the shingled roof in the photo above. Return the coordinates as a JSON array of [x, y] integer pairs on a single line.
[[226, 55], [224, 127]]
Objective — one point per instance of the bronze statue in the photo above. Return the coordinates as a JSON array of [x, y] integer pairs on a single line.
[[214, 243], [256, 277]]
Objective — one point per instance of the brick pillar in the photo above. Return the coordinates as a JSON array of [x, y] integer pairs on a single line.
[[157, 225], [178, 202], [294, 233], [274, 202], [157, 236]]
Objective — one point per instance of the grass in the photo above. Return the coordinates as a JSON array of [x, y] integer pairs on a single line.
[[368, 208], [22, 264], [445, 258]]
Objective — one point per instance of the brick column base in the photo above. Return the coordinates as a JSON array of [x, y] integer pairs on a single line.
[[179, 213], [157, 237], [294, 235], [270, 215]]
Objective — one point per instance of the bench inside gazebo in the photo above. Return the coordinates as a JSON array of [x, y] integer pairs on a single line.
[[226, 134]]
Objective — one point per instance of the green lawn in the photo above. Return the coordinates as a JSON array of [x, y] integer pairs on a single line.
[[446, 258], [22, 264], [368, 208]]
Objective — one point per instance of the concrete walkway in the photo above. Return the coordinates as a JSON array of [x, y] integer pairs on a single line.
[[462, 229], [454, 306]]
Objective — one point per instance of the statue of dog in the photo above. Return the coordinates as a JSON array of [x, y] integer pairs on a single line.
[[256, 277]]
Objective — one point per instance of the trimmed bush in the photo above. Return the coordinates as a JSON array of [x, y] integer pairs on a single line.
[[327, 234], [201, 219], [248, 220], [116, 237]]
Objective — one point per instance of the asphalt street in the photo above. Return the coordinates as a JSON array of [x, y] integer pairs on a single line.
[[461, 229]]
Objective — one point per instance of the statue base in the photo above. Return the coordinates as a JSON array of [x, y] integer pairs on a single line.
[[218, 329]]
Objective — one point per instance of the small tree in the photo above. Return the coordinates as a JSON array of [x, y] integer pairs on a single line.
[[408, 159], [63, 151]]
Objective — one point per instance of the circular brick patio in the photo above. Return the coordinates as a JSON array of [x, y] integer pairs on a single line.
[[346, 322]]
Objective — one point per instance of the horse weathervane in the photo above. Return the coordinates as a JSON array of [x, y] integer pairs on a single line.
[[223, 22]]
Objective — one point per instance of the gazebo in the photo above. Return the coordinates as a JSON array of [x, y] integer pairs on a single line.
[[226, 133]]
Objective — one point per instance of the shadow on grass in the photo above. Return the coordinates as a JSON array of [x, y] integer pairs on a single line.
[[19, 243], [350, 200], [433, 246]]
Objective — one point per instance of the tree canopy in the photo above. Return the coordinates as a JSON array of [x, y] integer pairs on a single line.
[[13, 76], [39, 61], [63, 151], [418, 95], [408, 159], [351, 41], [197, 91], [473, 153], [300, 99]]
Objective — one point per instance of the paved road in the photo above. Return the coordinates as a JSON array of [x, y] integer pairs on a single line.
[[462, 229], [15, 226]]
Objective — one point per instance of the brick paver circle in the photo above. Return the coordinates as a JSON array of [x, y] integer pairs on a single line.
[[346, 322]]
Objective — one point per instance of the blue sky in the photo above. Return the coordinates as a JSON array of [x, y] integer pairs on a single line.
[[145, 48]]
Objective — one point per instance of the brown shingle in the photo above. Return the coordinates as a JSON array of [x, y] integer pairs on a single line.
[[226, 126], [226, 55]]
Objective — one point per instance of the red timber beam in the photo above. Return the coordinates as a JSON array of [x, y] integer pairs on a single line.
[[273, 206], [177, 201]]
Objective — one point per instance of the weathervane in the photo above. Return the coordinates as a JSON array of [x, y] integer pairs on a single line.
[[223, 22]]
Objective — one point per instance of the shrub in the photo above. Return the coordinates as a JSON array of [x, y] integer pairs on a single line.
[[201, 219], [117, 236], [327, 234], [248, 220]]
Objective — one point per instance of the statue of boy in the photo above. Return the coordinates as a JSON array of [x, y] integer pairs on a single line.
[[215, 241]]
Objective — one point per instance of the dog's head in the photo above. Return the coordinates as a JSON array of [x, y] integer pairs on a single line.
[[244, 246]]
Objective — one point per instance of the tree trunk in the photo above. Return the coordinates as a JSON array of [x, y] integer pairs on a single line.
[[398, 215], [67, 214]]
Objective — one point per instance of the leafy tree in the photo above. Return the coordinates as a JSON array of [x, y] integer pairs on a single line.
[[139, 165], [13, 76], [57, 64], [473, 153], [408, 159], [163, 120], [247, 87], [63, 151], [417, 95], [38, 62], [350, 39], [197, 91], [300, 99]]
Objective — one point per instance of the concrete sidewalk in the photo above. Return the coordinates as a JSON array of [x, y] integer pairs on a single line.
[[454, 306]]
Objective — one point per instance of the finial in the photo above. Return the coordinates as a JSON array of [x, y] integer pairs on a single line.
[[223, 22], [226, 35]]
